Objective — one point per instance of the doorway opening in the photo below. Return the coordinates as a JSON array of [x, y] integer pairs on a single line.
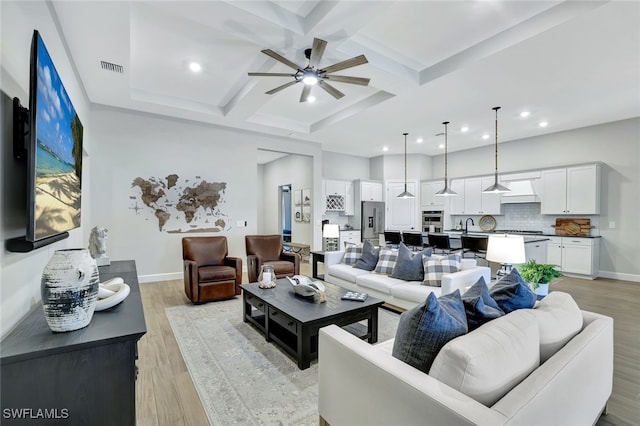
[[285, 209]]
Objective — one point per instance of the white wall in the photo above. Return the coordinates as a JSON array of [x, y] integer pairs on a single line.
[[616, 144], [130, 145], [344, 167], [20, 273], [294, 170]]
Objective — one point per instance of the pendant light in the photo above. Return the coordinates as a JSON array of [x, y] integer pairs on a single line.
[[446, 191], [496, 188], [405, 194]]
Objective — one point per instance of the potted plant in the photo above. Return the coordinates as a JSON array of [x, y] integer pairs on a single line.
[[539, 275]]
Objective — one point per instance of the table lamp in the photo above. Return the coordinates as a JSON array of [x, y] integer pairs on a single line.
[[507, 250], [331, 234]]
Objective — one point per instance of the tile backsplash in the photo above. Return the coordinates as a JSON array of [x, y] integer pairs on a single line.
[[526, 217]]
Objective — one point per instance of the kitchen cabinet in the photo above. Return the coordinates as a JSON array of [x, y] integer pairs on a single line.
[[536, 250], [349, 202], [338, 196], [471, 200], [369, 191], [349, 237], [456, 202], [573, 255], [428, 199], [571, 190]]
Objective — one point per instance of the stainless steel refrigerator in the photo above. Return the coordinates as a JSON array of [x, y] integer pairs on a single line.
[[372, 220]]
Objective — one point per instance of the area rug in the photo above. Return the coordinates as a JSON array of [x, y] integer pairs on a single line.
[[241, 378]]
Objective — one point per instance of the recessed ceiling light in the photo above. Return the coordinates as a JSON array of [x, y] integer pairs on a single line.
[[311, 98], [485, 136], [419, 140], [543, 124], [524, 114], [464, 129], [441, 146], [195, 67], [385, 148]]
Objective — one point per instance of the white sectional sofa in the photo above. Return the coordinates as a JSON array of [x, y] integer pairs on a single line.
[[492, 376], [404, 294]]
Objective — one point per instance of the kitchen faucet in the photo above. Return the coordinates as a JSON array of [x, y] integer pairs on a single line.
[[466, 225]]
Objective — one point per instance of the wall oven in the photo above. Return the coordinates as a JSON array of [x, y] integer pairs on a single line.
[[432, 220]]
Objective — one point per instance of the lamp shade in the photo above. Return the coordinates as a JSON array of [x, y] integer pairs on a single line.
[[506, 249], [331, 231]]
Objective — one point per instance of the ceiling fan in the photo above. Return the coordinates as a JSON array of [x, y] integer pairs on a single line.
[[310, 75]]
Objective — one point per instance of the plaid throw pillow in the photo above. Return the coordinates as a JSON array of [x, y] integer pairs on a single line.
[[386, 261], [351, 254], [434, 269]]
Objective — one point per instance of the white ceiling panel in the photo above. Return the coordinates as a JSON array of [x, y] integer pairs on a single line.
[[570, 63]]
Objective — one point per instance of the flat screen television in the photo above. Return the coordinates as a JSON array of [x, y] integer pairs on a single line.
[[52, 140]]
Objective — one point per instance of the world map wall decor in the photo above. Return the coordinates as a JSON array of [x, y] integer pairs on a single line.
[[180, 205]]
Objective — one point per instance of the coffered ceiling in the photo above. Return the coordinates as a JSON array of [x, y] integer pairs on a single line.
[[571, 64]]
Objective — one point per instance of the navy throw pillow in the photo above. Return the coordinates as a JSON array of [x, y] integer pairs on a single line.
[[408, 265], [426, 328], [479, 306], [369, 258], [511, 292]]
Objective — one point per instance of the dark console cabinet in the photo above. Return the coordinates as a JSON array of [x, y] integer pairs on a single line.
[[81, 377]]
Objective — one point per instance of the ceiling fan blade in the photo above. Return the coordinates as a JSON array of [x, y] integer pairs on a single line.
[[270, 74], [279, 88], [358, 60], [346, 79], [305, 93], [317, 50], [281, 58], [330, 89]]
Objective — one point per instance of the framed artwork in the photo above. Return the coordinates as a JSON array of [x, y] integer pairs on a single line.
[[302, 205]]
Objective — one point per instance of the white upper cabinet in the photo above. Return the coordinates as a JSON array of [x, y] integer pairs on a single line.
[[370, 191], [571, 190], [349, 199], [428, 199], [335, 194], [471, 200], [491, 203], [457, 201]]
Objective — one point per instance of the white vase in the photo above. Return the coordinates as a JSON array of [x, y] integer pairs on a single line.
[[69, 289], [543, 289]]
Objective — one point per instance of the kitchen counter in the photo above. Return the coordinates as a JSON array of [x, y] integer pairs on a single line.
[[455, 233]]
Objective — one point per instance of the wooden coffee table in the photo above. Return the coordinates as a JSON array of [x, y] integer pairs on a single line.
[[293, 322]]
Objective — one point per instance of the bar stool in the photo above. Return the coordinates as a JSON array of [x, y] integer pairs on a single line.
[[475, 245]]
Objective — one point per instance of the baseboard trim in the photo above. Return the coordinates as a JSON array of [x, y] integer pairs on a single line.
[[170, 276], [619, 276], [160, 277]]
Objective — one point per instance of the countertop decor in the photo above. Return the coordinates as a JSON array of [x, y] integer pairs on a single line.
[[487, 223]]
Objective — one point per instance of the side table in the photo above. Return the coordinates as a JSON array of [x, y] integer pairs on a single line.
[[316, 256]]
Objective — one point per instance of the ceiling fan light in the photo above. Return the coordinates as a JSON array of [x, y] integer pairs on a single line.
[[309, 77]]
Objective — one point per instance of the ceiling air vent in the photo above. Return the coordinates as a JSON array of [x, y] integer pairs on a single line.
[[110, 66]]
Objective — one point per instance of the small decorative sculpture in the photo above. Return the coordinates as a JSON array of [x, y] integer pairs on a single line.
[[307, 288], [98, 245], [111, 293]]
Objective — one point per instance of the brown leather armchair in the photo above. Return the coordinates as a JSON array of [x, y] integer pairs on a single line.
[[267, 250], [209, 273]]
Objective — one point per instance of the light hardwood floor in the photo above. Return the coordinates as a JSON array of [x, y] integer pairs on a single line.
[[165, 394]]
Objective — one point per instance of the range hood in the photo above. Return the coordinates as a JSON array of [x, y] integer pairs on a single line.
[[521, 191]]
